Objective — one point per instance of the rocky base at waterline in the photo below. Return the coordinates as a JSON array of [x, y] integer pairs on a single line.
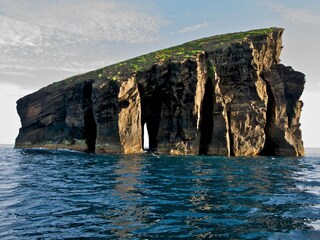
[[222, 95]]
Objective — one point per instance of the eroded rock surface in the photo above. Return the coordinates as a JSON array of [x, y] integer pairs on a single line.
[[223, 95]]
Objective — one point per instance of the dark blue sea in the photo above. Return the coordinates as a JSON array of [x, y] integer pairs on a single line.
[[71, 195]]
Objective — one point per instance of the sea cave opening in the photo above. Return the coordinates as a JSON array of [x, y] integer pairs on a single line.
[[151, 107], [151, 114], [149, 136], [145, 137]]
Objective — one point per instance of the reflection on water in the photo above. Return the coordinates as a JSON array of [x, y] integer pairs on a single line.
[[131, 215], [59, 194], [200, 197]]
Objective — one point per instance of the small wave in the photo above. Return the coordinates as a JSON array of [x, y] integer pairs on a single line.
[[141, 197]]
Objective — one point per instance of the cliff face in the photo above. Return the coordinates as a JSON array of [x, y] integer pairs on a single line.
[[223, 95]]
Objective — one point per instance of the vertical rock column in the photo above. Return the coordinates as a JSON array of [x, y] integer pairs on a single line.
[[117, 111], [244, 100], [105, 108], [283, 132], [129, 123], [179, 128], [219, 142]]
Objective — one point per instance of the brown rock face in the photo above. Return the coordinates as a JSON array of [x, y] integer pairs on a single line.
[[228, 96], [58, 117], [283, 134]]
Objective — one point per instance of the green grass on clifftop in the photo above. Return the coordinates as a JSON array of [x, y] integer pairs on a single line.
[[187, 50]]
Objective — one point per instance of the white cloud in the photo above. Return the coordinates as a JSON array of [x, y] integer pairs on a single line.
[[16, 73], [293, 14], [69, 35], [18, 33], [193, 28], [81, 20]]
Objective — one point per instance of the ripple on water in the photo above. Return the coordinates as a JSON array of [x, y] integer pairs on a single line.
[[64, 194]]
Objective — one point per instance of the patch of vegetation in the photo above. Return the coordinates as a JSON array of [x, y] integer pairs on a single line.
[[211, 70]]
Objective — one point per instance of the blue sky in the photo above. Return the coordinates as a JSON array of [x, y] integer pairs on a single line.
[[42, 41]]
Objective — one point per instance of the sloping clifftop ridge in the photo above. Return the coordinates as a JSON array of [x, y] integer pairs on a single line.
[[221, 95]]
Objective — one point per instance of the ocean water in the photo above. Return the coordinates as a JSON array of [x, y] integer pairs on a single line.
[[70, 195]]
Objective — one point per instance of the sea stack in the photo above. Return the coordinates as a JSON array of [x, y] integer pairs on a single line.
[[222, 95]]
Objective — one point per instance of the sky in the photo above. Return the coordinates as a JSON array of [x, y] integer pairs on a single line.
[[44, 41]]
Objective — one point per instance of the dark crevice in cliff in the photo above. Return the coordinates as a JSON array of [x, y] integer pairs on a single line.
[[269, 145], [90, 126], [291, 105], [153, 127], [206, 125]]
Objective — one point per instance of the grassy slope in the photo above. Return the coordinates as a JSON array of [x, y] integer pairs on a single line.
[[177, 53]]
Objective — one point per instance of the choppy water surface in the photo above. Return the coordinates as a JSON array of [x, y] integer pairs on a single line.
[[59, 194]]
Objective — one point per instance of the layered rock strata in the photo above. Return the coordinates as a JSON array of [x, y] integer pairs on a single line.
[[222, 95]]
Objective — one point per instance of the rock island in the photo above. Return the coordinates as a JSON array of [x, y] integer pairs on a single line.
[[222, 95]]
